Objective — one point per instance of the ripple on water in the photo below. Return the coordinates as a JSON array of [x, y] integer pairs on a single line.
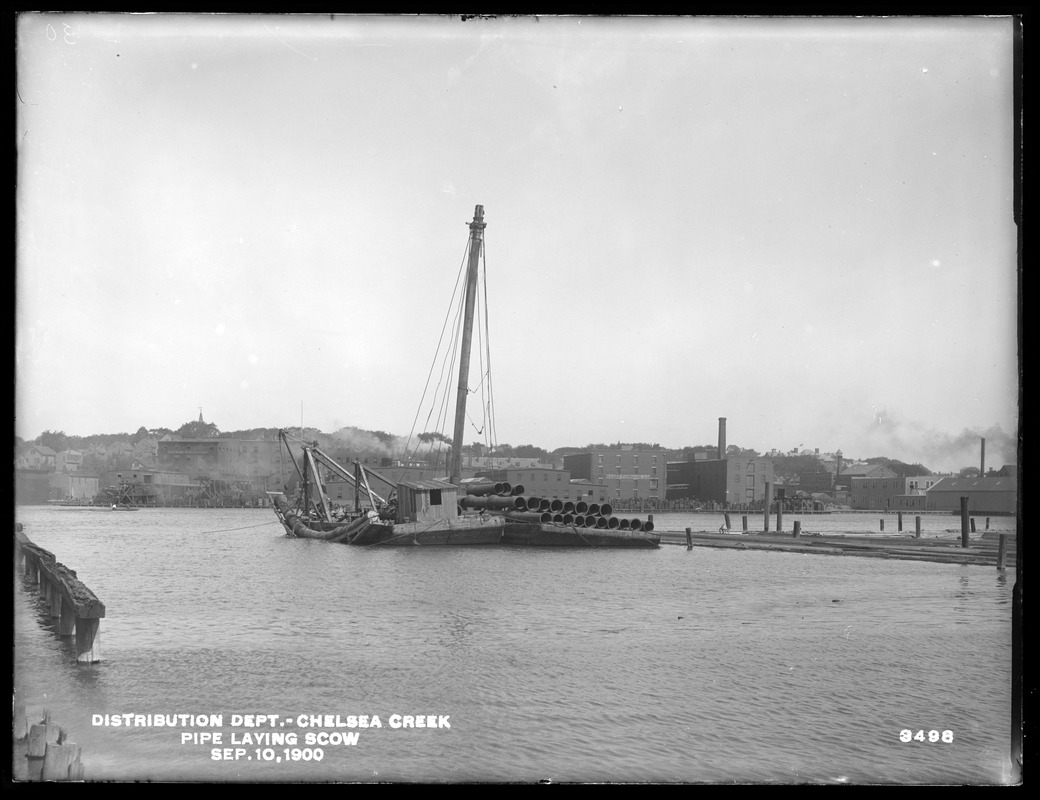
[[663, 665]]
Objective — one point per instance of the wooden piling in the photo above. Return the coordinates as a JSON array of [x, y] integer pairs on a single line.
[[882, 523], [689, 539], [797, 528], [917, 527], [765, 510], [972, 521], [59, 760], [964, 522], [69, 600], [743, 520], [779, 515], [728, 526], [987, 523], [899, 522], [1002, 548]]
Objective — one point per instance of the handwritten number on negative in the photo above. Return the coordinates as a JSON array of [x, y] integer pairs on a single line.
[[68, 34]]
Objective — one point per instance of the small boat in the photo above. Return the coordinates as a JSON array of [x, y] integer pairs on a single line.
[[442, 511]]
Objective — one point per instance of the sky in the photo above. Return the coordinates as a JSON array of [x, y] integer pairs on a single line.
[[803, 225]]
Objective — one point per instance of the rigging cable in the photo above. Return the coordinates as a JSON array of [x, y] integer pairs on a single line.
[[433, 364]]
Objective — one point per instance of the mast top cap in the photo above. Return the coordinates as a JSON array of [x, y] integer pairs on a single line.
[[478, 218]]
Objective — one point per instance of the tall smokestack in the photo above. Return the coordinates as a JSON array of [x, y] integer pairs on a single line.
[[722, 437], [982, 462]]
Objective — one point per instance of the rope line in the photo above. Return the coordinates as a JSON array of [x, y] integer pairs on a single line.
[[246, 527]]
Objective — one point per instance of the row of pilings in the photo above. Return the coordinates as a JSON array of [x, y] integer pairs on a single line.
[[512, 502], [77, 612]]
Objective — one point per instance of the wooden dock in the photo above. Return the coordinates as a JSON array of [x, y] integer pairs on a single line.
[[76, 608], [984, 550]]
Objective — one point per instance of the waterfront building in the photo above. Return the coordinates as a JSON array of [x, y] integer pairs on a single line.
[[73, 485], [163, 485], [875, 492], [627, 473], [731, 482], [816, 481], [69, 461], [40, 457], [985, 495], [32, 485], [919, 484], [255, 461], [843, 477]]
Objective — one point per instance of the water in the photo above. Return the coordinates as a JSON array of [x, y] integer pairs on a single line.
[[661, 665]]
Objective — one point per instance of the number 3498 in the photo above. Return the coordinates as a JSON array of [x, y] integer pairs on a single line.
[[907, 735]]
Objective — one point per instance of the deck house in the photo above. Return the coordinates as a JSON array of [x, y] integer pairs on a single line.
[[427, 501]]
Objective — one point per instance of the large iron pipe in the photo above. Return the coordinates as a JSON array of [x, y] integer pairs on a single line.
[[534, 504], [648, 526], [494, 502], [568, 519], [637, 524], [518, 489], [602, 522], [568, 507], [612, 522], [483, 489], [581, 507], [606, 509], [591, 521], [556, 505], [529, 516], [544, 504], [625, 525], [507, 488], [557, 519], [593, 509], [578, 521]]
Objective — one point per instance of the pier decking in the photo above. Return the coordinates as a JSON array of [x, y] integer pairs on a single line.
[[984, 550], [76, 608]]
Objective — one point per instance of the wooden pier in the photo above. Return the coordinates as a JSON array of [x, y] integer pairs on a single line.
[[76, 608], [991, 549]]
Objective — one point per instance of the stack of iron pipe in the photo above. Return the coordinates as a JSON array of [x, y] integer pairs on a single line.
[[580, 514]]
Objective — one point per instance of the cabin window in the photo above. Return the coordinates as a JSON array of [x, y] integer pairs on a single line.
[[435, 497]]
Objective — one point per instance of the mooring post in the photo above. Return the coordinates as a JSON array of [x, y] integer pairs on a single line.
[[797, 528], [765, 510], [689, 539], [779, 515], [987, 523], [728, 526], [917, 527], [964, 522], [1002, 551], [882, 523], [743, 521], [972, 521], [899, 521]]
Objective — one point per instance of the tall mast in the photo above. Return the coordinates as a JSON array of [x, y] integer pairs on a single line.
[[476, 239]]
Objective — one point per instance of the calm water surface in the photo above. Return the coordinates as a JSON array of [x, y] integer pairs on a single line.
[[565, 665]]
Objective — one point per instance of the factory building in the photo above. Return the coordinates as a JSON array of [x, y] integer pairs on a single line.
[[625, 472], [739, 481]]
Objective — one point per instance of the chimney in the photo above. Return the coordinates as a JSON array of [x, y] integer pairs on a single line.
[[722, 437], [982, 462]]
